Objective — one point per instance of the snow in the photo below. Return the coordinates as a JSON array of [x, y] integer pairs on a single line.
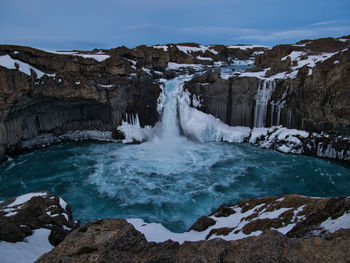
[[284, 149], [106, 86], [205, 127], [8, 62], [294, 55], [176, 66], [257, 133], [245, 47], [204, 58], [158, 233], [332, 225], [310, 60], [201, 48], [134, 132], [63, 204], [165, 48], [273, 214], [98, 57], [29, 250], [283, 133], [196, 101], [87, 135], [245, 62], [158, 72], [259, 74], [146, 70], [131, 61], [24, 198]]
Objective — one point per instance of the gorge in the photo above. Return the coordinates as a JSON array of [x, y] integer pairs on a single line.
[[180, 106]]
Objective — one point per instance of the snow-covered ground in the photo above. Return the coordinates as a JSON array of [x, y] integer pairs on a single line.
[[36, 244], [27, 251], [235, 222]]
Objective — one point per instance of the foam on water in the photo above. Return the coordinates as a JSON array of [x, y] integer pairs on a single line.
[[170, 186]]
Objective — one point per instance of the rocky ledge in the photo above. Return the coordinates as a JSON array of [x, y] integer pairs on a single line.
[[318, 231], [288, 228], [22, 215]]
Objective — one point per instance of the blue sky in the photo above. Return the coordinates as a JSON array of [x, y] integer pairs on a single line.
[[88, 24]]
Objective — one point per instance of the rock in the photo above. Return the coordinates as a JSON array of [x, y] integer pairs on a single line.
[[109, 240], [34, 211], [202, 223], [112, 240], [2, 153]]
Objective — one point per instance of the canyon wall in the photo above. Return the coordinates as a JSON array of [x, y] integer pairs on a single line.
[[313, 98], [303, 86]]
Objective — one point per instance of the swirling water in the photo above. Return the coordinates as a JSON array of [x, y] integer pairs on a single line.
[[170, 180]]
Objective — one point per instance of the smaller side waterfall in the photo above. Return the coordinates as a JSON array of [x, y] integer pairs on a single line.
[[265, 89]]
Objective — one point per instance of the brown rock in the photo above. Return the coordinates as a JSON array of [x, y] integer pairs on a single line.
[[202, 223]]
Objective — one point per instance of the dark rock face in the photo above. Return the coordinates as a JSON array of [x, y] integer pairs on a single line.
[[232, 101], [114, 240], [20, 215]]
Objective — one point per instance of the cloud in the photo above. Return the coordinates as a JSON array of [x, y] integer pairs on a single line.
[[322, 30], [323, 23]]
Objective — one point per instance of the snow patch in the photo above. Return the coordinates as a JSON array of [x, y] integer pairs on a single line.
[[177, 66], [201, 48], [204, 58], [332, 225], [7, 62], [24, 198], [98, 57], [165, 48], [29, 250], [245, 47]]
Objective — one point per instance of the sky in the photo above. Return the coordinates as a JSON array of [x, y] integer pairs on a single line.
[[89, 24]]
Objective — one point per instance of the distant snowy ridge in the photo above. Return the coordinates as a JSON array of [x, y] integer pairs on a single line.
[[98, 56]]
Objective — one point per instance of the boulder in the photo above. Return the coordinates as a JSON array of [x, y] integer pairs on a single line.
[[20, 215]]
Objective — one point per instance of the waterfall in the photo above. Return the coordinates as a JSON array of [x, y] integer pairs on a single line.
[[265, 89], [170, 124], [178, 119]]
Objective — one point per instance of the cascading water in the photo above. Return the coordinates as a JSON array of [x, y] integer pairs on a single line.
[[170, 129], [265, 89]]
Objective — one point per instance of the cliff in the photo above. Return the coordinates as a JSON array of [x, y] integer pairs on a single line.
[[43, 92], [47, 96]]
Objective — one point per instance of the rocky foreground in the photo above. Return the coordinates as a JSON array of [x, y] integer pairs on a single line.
[[289, 228]]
